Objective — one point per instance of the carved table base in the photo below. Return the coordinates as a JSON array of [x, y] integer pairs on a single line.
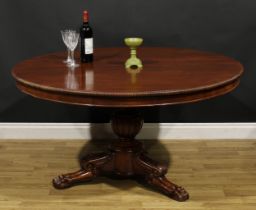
[[126, 158]]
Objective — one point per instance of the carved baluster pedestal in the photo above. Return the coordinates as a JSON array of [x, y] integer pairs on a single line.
[[126, 158]]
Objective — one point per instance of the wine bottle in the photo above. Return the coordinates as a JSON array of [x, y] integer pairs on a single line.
[[86, 37]]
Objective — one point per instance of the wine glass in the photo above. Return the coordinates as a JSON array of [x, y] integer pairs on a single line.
[[72, 42], [65, 34]]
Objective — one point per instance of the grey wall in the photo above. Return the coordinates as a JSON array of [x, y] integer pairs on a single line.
[[29, 28]]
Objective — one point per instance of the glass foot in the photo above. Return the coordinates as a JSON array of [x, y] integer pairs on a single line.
[[73, 65], [67, 61]]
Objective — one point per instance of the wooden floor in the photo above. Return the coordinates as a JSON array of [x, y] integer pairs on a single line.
[[219, 175]]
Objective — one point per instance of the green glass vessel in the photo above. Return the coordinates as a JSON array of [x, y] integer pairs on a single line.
[[133, 62]]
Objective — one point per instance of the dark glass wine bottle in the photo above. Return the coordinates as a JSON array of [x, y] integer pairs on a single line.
[[86, 35]]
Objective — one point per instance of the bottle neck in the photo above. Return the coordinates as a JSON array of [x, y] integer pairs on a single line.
[[85, 22]]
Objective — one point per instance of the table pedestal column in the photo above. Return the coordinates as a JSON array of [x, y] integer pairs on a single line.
[[126, 158]]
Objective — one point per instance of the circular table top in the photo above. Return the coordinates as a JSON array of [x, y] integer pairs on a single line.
[[169, 76]]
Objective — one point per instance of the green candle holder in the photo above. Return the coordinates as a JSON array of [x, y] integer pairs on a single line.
[[133, 62]]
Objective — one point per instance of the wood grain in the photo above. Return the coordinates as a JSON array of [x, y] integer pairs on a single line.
[[218, 174], [169, 76]]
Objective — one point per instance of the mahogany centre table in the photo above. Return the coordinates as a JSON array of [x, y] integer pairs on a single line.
[[169, 76]]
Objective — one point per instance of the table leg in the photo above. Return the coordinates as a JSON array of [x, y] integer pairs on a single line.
[[126, 158], [90, 170], [154, 175]]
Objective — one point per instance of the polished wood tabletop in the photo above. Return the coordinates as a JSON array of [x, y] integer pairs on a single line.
[[169, 76]]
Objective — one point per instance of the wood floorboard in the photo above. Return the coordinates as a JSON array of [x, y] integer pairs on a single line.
[[219, 175]]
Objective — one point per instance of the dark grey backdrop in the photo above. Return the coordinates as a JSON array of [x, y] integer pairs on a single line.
[[29, 28]]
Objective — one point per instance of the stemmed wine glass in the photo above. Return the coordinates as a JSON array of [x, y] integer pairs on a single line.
[[65, 34], [71, 39]]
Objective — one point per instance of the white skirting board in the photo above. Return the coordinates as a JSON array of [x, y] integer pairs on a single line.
[[162, 131]]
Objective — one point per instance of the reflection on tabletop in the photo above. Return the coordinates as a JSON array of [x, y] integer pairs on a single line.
[[82, 77], [134, 73]]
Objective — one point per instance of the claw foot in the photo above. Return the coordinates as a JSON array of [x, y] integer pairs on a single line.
[[62, 182], [168, 188], [179, 194], [68, 180]]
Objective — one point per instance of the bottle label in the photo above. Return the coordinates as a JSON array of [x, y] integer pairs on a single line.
[[88, 46]]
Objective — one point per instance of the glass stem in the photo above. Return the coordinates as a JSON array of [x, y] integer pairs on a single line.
[[133, 53], [72, 56], [69, 55]]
